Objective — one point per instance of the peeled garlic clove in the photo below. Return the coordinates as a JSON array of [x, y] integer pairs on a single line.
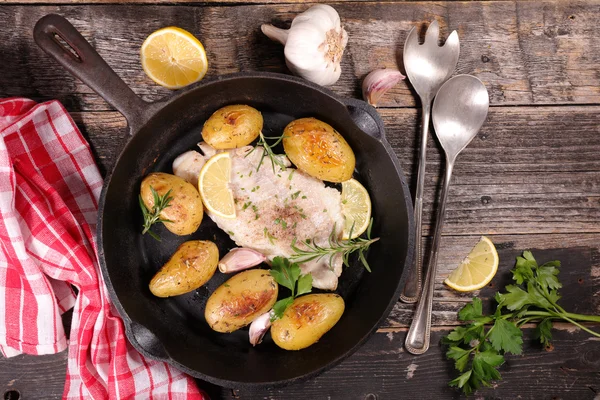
[[188, 165], [259, 327], [378, 82], [314, 44], [239, 259]]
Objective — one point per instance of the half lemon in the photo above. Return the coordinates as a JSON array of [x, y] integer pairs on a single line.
[[173, 58], [477, 269], [213, 185]]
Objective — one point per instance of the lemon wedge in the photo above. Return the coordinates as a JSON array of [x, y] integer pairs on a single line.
[[356, 209], [213, 185], [477, 269], [173, 58]]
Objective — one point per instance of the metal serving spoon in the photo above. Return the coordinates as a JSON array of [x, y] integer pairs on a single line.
[[427, 66], [459, 110]]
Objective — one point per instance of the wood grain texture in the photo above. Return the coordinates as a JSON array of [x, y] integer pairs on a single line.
[[382, 370], [526, 52]]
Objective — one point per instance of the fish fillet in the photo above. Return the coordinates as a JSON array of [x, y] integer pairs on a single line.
[[274, 208]]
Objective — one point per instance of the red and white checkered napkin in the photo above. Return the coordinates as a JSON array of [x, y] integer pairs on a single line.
[[49, 188]]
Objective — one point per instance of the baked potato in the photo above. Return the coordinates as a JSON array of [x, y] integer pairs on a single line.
[[232, 126], [319, 150], [185, 211], [240, 300], [191, 266], [306, 320]]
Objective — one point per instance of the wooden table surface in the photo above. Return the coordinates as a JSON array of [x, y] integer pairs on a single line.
[[529, 180]]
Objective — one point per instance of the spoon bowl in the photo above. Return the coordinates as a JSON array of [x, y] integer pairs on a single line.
[[459, 111]]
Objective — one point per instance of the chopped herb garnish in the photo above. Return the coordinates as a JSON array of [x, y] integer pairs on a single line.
[[269, 236], [304, 197], [281, 222], [246, 205], [295, 195], [291, 174]]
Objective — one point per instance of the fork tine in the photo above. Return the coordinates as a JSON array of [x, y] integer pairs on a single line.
[[433, 33], [452, 40], [412, 38]]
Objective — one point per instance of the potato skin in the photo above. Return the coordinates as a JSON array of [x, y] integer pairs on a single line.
[[191, 266], [185, 210], [232, 126], [240, 300], [306, 320], [319, 150]]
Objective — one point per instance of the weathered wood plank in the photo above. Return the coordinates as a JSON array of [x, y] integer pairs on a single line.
[[381, 369], [526, 52], [528, 171]]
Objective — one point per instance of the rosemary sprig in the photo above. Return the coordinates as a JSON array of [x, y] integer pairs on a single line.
[[335, 246], [268, 151], [153, 216]]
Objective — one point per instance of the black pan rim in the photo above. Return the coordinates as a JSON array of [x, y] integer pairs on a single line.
[[155, 107]]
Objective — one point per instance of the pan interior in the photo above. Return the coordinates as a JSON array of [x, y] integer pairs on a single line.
[[177, 325]]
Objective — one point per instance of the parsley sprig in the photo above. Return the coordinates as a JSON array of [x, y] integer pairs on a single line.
[[313, 251], [268, 151], [478, 349], [152, 216], [289, 275]]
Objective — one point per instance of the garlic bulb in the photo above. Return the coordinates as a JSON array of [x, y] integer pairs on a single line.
[[378, 82], [314, 44]]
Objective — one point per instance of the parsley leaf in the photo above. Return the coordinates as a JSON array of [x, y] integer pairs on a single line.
[[506, 336], [289, 275], [280, 307], [304, 284], [543, 331], [285, 273]]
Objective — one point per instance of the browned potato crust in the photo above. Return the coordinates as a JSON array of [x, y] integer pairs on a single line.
[[240, 300], [232, 126], [191, 266], [306, 320], [319, 150], [185, 210]]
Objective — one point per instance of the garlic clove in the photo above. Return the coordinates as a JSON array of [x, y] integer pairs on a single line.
[[259, 327], [188, 165], [378, 82], [239, 259]]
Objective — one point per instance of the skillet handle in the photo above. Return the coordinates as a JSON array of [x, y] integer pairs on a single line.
[[82, 61], [366, 118], [145, 341]]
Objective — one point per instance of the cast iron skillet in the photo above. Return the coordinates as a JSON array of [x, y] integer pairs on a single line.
[[174, 330]]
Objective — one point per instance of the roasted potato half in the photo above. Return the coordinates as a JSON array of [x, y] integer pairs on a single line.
[[306, 320], [185, 210], [319, 150], [232, 126], [191, 266], [240, 300]]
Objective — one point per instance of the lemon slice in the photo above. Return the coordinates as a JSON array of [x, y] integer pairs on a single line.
[[213, 185], [477, 269], [173, 58], [356, 208]]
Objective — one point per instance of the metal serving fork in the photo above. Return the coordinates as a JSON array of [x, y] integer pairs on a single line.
[[427, 66]]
